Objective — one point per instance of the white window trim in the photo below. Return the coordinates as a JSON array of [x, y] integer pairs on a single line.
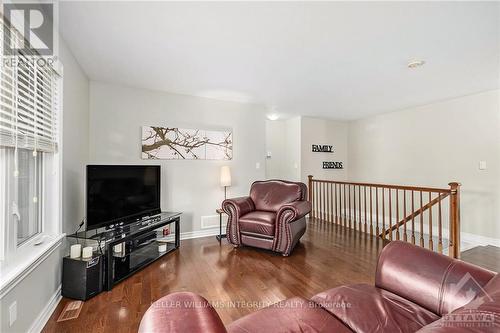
[[29, 255], [3, 212], [12, 275]]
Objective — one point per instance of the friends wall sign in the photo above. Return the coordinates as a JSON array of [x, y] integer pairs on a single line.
[[327, 149]]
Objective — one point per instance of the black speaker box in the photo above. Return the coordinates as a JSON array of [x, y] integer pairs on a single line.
[[82, 278]]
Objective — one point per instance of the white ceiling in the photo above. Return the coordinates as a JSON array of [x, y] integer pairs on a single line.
[[335, 60]]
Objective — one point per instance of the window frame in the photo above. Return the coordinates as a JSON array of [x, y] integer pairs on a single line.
[[50, 198], [38, 192], [3, 208], [16, 265]]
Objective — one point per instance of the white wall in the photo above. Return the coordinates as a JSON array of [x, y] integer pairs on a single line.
[[75, 140], [433, 145], [36, 296], [275, 144], [191, 186], [283, 141], [293, 138], [323, 132]]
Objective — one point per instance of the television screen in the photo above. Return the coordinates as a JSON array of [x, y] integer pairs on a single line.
[[121, 193]]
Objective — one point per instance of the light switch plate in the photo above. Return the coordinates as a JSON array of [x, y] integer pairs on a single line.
[[257, 165], [482, 165]]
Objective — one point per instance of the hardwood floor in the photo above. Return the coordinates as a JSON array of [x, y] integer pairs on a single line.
[[484, 256], [328, 256]]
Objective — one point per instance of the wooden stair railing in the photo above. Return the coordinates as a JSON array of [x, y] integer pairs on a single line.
[[392, 211], [415, 214]]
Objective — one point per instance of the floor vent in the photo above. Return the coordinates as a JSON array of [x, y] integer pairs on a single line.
[[71, 311]]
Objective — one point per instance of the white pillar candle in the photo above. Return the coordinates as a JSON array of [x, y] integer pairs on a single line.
[[162, 248], [75, 251], [117, 248], [87, 252]]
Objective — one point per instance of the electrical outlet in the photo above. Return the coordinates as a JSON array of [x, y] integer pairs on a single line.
[[12, 313]]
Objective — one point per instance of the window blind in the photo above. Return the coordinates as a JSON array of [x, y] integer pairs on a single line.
[[28, 99]]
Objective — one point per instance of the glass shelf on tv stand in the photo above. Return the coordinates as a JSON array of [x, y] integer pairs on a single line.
[[120, 231], [137, 243]]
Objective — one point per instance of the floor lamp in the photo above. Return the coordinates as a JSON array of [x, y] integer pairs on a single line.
[[225, 179]]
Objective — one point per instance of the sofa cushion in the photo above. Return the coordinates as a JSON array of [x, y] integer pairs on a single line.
[[272, 194], [294, 315], [365, 308], [181, 312], [258, 222]]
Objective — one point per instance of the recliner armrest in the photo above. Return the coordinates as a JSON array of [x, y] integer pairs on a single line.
[[181, 312], [239, 206], [432, 280], [294, 211]]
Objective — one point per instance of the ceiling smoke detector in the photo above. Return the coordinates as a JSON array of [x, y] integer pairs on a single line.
[[416, 63]]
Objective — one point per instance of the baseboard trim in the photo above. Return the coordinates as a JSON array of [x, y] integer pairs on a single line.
[[200, 233], [479, 240], [44, 316]]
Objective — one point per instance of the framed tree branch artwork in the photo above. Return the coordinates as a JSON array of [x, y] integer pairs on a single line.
[[172, 143]]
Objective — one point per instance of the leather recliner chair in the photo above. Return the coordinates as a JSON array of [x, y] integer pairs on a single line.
[[272, 217]]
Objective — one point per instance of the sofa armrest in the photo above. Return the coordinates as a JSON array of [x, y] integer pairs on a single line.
[[181, 312], [293, 211], [238, 206], [485, 309], [436, 282], [235, 208], [290, 225]]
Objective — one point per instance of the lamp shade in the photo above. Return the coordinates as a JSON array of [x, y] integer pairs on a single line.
[[225, 176]]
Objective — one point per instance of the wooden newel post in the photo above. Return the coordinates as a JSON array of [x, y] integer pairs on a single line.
[[454, 247], [310, 193]]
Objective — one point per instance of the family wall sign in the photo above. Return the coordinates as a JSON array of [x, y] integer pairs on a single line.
[[327, 149], [322, 149]]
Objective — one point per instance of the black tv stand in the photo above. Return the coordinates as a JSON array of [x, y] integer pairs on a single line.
[[129, 248]]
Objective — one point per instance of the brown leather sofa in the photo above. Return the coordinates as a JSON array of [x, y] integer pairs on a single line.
[[272, 217], [415, 290]]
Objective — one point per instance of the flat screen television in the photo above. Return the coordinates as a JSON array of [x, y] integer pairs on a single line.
[[119, 194]]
